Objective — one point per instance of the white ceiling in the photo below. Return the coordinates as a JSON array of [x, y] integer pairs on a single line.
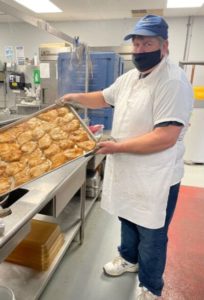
[[100, 10]]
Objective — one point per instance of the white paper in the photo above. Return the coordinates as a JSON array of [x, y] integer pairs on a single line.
[[20, 52], [44, 70], [9, 53]]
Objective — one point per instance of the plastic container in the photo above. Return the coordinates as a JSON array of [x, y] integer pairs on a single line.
[[101, 116], [42, 243], [6, 293], [198, 92]]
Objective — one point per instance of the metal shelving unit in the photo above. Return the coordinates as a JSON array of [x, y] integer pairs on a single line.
[[28, 283]]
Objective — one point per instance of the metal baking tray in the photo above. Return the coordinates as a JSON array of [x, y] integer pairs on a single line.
[[27, 118]]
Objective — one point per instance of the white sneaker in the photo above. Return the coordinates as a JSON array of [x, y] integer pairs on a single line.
[[143, 293], [118, 266]]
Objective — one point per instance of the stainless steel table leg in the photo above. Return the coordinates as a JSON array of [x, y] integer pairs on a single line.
[[82, 210]]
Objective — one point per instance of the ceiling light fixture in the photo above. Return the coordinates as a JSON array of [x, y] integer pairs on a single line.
[[44, 6], [184, 3]]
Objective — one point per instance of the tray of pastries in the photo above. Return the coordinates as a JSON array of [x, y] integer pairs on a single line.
[[40, 143]]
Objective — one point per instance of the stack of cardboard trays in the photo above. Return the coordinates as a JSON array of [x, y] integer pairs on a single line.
[[40, 247]]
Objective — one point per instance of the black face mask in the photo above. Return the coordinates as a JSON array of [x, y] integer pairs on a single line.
[[147, 60]]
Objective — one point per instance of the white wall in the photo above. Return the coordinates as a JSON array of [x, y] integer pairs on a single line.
[[105, 33]]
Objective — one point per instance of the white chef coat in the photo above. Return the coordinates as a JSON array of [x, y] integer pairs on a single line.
[[136, 186]]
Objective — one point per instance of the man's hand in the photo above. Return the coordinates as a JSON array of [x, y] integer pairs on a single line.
[[60, 101], [66, 98], [108, 147]]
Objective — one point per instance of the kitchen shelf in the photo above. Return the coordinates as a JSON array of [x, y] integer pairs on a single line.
[[27, 283], [70, 224], [35, 280]]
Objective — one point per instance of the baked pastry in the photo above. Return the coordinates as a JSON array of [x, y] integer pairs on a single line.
[[24, 137], [87, 145], [64, 120], [10, 152], [49, 116], [3, 165], [66, 144], [79, 135], [46, 126], [35, 158], [45, 141], [40, 169], [22, 177], [14, 167], [58, 159], [62, 111], [18, 129], [58, 134], [34, 123], [37, 133], [7, 137], [5, 184], [29, 147], [71, 126], [73, 153], [52, 150], [67, 118]]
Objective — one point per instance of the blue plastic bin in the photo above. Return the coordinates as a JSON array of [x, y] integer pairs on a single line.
[[101, 116]]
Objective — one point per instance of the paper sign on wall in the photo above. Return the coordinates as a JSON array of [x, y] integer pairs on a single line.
[[20, 56], [44, 70], [9, 53]]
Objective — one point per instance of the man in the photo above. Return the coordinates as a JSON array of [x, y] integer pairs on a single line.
[[144, 165]]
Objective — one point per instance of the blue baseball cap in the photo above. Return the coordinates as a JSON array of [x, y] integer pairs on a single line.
[[150, 25]]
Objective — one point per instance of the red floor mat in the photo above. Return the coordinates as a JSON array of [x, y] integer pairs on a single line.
[[184, 275]]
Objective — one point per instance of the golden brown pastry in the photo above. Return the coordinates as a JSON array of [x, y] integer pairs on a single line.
[[52, 150], [29, 147], [73, 153], [24, 137], [66, 144], [3, 165], [7, 137], [71, 126], [14, 167], [68, 117], [62, 111], [64, 120], [10, 152], [50, 115], [58, 134], [18, 129], [22, 177], [87, 145], [37, 133], [46, 126], [5, 184], [58, 159], [34, 123], [79, 135], [35, 158], [45, 141], [40, 169]]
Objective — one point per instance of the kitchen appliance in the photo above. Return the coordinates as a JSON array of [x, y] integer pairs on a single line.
[[48, 55]]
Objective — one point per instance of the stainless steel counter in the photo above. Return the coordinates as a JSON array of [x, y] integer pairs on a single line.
[[40, 192], [60, 186], [7, 119]]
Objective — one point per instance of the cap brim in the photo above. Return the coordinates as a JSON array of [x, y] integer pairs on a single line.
[[143, 32]]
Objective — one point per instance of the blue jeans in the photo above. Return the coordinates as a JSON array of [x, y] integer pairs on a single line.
[[148, 247]]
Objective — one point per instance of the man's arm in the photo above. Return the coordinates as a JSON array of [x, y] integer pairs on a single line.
[[161, 138], [90, 100]]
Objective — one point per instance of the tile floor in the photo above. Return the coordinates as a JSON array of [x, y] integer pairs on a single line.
[[80, 276]]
